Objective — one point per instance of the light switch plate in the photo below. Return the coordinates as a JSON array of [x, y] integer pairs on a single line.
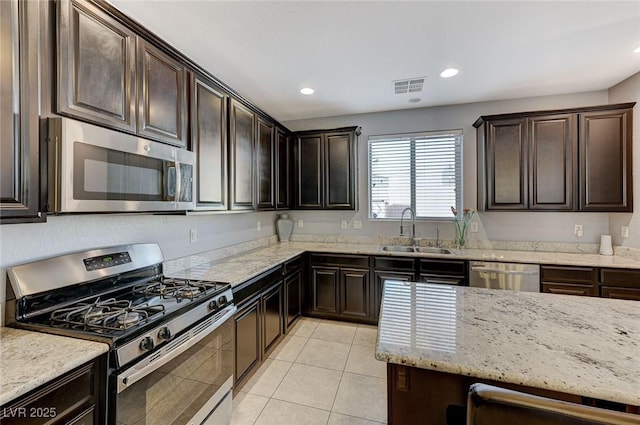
[[474, 227], [300, 223], [624, 231], [193, 235], [258, 226], [344, 224], [357, 224]]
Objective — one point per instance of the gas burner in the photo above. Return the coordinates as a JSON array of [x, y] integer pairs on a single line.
[[104, 316], [175, 288]]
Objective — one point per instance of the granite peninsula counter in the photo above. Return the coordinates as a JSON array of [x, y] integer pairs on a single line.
[[577, 346]]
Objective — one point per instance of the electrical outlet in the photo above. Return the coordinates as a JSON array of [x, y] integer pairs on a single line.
[[357, 224], [344, 224], [474, 227], [258, 226], [577, 230], [300, 223], [624, 231], [193, 235]]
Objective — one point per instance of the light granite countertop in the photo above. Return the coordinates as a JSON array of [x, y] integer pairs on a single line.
[[243, 266], [30, 359], [576, 345]]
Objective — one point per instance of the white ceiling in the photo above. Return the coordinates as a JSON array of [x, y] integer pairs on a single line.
[[351, 51]]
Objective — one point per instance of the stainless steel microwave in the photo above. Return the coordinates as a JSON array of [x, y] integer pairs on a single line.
[[94, 169]]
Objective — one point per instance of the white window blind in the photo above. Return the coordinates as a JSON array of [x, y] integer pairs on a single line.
[[422, 171]]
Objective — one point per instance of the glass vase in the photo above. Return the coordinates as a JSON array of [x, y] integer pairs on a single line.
[[461, 234]]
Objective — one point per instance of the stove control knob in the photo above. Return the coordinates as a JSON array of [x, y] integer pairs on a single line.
[[164, 333], [213, 305], [222, 301], [146, 343]]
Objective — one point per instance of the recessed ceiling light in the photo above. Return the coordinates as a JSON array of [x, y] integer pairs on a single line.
[[449, 72], [415, 100], [307, 90], [636, 50]]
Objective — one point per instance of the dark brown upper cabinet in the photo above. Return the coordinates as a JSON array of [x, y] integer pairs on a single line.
[[264, 165], [162, 96], [20, 192], [241, 151], [605, 160], [562, 160], [325, 169], [96, 66], [110, 76], [283, 170], [209, 140]]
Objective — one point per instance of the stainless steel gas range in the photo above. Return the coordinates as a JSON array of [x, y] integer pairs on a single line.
[[171, 339]]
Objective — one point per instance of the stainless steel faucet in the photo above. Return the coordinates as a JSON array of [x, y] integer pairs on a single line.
[[413, 223]]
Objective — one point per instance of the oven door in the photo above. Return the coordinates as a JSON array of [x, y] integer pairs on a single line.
[[187, 381], [93, 169]]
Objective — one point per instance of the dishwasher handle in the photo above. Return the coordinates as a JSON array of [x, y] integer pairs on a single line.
[[509, 272]]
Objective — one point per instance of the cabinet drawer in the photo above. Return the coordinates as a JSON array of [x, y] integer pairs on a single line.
[[620, 277], [393, 263], [442, 280], [569, 274], [620, 293], [246, 290], [292, 265], [340, 260], [443, 267], [569, 289]]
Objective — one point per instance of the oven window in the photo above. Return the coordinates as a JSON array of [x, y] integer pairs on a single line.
[[106, 174], [174, 393]]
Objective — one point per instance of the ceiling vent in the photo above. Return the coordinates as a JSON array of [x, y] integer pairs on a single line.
[[412, 85]]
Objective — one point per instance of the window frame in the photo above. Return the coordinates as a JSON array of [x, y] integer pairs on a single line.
[[458, 169]]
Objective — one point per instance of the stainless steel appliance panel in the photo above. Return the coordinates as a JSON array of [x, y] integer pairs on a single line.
[[94, 169], [189, 386], [513, 276]]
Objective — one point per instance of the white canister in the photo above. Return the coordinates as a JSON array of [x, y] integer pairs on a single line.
[[605, 245]]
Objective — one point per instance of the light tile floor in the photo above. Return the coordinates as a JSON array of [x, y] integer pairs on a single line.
[[321, 373]]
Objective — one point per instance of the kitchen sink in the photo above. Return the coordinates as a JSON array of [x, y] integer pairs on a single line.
[[398, 248], [431, 250], [418, 249]]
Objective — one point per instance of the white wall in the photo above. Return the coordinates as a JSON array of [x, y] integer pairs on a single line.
[[538, 226], [21, 243], [629, 91]]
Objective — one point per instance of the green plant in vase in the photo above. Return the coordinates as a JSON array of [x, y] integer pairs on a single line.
[[461, 223]]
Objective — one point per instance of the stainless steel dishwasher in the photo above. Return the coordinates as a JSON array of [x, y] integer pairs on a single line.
[[514, 276]]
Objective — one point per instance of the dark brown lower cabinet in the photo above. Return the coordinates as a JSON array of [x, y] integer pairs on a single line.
[[325, 290], [293, 298], [259, 321], [620, 293], [568, 280], [378, 286], [421, 396], [247, 325], [354, 293], [77, 397], [446, 272], [272, 317]]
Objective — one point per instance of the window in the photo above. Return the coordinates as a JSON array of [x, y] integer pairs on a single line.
[[422, 171]]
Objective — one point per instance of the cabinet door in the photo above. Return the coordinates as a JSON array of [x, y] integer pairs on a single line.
[[20, 192], [506, 152], [247, 325], [209, 140], [242, 124], [162, 96], [283, 171], [378, 283], [272, 318], [324, 290], [96, 66], [308, 153], [354, 293], [293, 298], [620, 293], [605, 161], [340, 173], [264, 165], [553, 159]]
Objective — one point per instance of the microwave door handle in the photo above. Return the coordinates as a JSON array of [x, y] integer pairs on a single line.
[[178, 182], [170, 176]]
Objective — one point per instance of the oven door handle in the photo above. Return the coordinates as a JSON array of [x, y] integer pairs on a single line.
[[172, 350]]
